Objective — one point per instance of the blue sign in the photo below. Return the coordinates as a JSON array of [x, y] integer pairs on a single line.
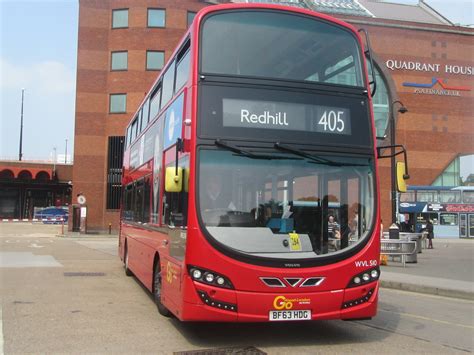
[[412, 207], [173, 122]]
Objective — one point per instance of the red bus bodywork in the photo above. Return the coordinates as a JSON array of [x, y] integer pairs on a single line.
[[149, 244]]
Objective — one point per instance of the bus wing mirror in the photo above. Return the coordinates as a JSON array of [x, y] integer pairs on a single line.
[[174, 179], [368, 54], [401, 184], [401, 167]]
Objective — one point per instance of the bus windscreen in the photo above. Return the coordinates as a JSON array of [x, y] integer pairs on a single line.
[[251, 204], [282, 46]]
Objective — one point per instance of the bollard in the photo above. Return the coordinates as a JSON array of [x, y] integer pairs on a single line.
[[110, 228], [62, 226]]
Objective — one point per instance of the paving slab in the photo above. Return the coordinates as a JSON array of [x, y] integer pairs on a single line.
[[446, 270]]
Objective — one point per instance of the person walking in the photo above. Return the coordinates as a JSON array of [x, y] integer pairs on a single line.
[[429, 229]]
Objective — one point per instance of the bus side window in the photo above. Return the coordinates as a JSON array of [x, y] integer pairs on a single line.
[[183, 66], [146, 199], [175, 204], [138, 207], [128, 203]]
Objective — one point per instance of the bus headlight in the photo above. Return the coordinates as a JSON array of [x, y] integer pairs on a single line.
[[365, 277], [209, 277], [196, 274]]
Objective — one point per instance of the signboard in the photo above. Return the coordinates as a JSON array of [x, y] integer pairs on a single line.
[[436, 85], [81, 199], [286, 116], [418, 207], [450, 207], [395, 64], [281, 115]]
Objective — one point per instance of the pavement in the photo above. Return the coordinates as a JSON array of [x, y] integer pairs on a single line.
[[447, 270]]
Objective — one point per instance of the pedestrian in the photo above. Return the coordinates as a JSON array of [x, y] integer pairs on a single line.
[[429, 229]]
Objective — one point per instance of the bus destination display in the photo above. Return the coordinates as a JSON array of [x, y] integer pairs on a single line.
[[286, 116]]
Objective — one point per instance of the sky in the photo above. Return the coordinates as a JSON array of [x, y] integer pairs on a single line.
[[38, 52]]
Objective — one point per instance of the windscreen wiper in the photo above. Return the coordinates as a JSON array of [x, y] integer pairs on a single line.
[[312, 158], [220, 143]]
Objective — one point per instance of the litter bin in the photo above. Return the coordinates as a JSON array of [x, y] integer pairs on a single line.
[[411, 237], [393, 232], [415, 237]]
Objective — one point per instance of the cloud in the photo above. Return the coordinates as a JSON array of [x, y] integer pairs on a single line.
[[48, 77]]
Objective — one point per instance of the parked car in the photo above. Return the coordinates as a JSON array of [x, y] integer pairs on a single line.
[[52, 214]]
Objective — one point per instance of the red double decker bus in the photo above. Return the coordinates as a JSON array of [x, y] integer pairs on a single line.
[[250, 177]]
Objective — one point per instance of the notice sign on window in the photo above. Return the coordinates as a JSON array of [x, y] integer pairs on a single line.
[[286, 116]]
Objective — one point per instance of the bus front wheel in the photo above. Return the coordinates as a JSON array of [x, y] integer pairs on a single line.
[[157, 286]]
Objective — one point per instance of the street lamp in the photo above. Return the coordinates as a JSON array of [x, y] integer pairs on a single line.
[[20, 154], [393, 187], [65, 154]]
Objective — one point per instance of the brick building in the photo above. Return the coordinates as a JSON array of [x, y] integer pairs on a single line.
[[422, 59]]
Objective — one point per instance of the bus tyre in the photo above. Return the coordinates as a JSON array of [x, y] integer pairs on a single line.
[[157, 291], [128, 272]]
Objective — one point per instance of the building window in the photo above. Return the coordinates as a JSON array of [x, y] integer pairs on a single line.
[[114, 172], [448, 219], [468, 196], [450, 196], [156, 18], [155, 60], [120, 18], [458, 173], [408, 196], [191, 16], [118, 103], [119, 61], [426, 196]]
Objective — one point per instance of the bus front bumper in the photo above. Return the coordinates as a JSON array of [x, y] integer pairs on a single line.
[[223, 305]]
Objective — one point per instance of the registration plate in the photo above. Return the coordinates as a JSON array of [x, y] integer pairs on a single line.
[[290, 315]]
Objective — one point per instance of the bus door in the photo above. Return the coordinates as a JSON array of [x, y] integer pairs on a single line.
[[462, 225], [175, 221], [345, 198]]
